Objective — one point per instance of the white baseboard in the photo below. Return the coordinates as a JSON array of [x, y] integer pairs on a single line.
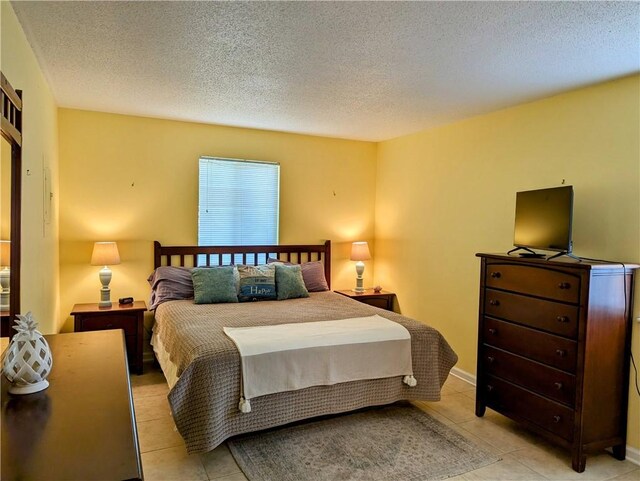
[[632, 454], [464, 375]]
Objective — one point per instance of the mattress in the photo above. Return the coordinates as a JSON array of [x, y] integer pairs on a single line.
[[203, 366]]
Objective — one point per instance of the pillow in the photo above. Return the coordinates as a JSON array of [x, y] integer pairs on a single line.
[[236, 275], [273, 260], [289, 282], [170, 283], [213, 285], [257, 283], [312, 273]]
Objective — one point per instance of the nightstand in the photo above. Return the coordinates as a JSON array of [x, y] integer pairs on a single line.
[[382, 299], [128, 317]]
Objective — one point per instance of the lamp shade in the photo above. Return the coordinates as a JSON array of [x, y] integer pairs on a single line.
[[5, 253], [360, 251], [105, 254]]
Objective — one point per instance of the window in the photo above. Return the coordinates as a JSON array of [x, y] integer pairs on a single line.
[[238, 202]]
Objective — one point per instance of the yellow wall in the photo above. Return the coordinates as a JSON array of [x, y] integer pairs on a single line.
[[39, 269], [135, 180], [446, 193]]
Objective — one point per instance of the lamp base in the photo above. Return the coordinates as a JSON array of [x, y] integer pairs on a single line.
[[359, 279], [105, 292], [5, 280], [105, 297]]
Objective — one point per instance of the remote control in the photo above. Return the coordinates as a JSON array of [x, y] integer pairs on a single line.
[[126, 300]]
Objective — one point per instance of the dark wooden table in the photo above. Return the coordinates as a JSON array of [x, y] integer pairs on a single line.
[[128, 317], [82, 427], [382, 299]]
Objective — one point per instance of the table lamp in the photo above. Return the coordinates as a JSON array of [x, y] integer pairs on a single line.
[[105, 254], [359, 252], [5, 273]]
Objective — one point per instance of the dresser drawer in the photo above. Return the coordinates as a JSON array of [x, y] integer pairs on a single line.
[[536, 281], [381, 302], [128, 323], [561, 319], [521, 403], [544, 380], [546, 348]]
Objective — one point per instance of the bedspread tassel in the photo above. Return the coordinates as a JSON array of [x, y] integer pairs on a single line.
[[244, 405], [410, 381]]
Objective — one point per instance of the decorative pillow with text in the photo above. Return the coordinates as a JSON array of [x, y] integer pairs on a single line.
[[257, 283]]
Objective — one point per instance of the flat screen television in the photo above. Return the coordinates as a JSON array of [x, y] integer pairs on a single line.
[[543, 219]]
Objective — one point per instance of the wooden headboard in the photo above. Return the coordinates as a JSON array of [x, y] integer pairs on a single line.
[[190, 256]]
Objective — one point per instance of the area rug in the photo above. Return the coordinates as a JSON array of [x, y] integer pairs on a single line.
[[393, 443]]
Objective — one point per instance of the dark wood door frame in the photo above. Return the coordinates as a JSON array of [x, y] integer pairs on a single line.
[[11, 122]]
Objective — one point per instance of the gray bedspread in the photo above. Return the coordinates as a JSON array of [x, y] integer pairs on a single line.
[[204, 400]]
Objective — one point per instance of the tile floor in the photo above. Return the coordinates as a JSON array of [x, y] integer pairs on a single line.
[[525, 456]]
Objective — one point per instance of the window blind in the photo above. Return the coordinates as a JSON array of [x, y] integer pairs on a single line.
[[238, 202]]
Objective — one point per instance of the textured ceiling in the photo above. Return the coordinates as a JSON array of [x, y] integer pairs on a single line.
[[361, 70]]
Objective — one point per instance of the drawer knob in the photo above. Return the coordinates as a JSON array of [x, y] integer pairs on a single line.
[[109, 325], [490, 359], [492, 331], [561, 352], [556, 419], [564, 285], [489, 388], [558, 385], [562, 319], [496, 275], [494, 302]]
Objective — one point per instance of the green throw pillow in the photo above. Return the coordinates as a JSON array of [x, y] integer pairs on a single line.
[[289, 282], [212, 285]]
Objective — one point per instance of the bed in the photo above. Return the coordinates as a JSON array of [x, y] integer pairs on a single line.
[[202, 365]]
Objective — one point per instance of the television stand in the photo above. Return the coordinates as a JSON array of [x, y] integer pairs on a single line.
[[532, 255], [529, 252], [589, 354], [568, 254]]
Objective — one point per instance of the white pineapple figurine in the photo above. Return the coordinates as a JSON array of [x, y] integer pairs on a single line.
[[27, 361]]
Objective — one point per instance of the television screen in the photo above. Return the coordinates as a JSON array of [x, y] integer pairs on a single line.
[[543, 219]]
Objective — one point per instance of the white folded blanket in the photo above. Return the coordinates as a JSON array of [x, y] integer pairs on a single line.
[[287, 357]]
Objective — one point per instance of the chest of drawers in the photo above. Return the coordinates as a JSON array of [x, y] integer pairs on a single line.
[[83, 426], [554, 343]]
